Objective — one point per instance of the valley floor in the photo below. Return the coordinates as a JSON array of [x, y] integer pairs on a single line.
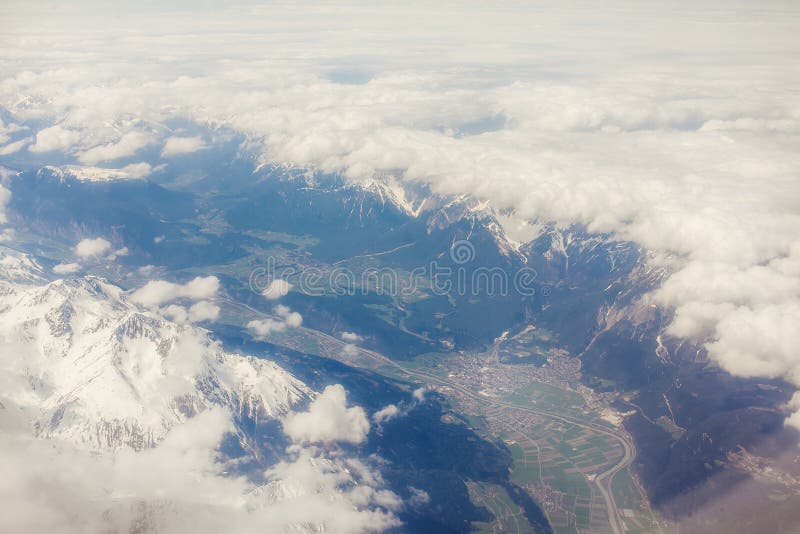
[[568, 454]]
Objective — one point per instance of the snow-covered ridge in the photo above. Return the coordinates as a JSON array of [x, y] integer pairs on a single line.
[[91, 368], [82, 173], [415, 201], [112, 419], [19, 268]]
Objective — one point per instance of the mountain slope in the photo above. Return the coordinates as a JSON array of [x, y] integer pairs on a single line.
[[102, 374], [132, 423]]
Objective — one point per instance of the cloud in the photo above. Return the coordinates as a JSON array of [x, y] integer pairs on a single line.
[[292, 319], [393, 411], [200, 311], [203, 311], [350, 337], [742, 315], [181, 486], [127, 145], [386, 413], [97, 489], [5, 198], [157, 292], [54, 138], [12, 148], [418, 497], [146, 270], [88, 248], [350, 350], [263, 328], [343, 494], [175, 313], [328, 419], [66, 268], [607, 125], [117, 253], [7, 234], [759, 342], [276, 289], [175, 146], [136, 170]]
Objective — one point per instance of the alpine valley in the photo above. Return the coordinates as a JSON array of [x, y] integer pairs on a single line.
[[232, 345]]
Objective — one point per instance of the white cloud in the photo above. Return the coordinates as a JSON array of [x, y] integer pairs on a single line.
[[66, 268], [263, 328], [7, 234], [292, 319], [181, 486], [5, 198], [387, 413], [54, 138], [392, 411], [276, 289], [175, 146], [793, 406], [12, 148], [117, 253], [759, 342], [88, 248], [136, 170], [146, 270], [62, 481], [618, 125], [157, 292], [328, 419], [343, 494], [200, 311], [127, 145], [350, 337], [203, 311], [418, 497], [175, 313]]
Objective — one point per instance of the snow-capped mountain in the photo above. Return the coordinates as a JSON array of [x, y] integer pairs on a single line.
[[121, 416], [446, 212], [373, 203], [85, 173], [91, 368], [18, 268]]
